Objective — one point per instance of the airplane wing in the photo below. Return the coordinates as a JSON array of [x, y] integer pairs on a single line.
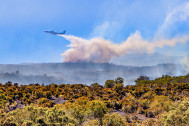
[[62, 32]]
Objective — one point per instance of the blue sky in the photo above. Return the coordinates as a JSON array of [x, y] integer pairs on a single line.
[[22, 23]]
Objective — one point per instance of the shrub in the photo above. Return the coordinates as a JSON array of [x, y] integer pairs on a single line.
[[44, 102], [151, 122], [27, 123], [97, 108], [114, 119], [118, 87], [128, 119], [179, 116], [119, 80], [109, 83], [93, 122]]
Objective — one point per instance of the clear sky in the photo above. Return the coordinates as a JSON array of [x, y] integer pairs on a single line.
[[22, 23]]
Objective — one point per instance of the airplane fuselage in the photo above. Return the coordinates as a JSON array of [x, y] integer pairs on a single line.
[[55, 33]]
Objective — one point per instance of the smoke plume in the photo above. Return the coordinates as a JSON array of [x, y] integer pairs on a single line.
[[99, 50], [176, 16], [185, 63]]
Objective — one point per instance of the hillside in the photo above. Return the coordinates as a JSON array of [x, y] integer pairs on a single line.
[[144, 59], [85, 73]]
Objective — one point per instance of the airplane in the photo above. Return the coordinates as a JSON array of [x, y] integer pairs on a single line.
[[56, 33]]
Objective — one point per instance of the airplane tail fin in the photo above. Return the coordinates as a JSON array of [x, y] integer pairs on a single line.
[[64, 32]]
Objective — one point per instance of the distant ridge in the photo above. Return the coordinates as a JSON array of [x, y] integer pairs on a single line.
[[82, 72], [146, 59]]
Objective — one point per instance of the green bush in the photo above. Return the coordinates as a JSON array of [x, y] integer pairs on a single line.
[[97, 108], [38, 116], [114, 119], [179, 116], [109, 84]]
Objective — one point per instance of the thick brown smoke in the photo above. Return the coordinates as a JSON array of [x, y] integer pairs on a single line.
[[99, 50]]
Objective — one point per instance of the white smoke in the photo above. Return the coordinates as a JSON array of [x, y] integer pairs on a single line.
[[106, 29], [177, 15], [185, 63], [99, 50]]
